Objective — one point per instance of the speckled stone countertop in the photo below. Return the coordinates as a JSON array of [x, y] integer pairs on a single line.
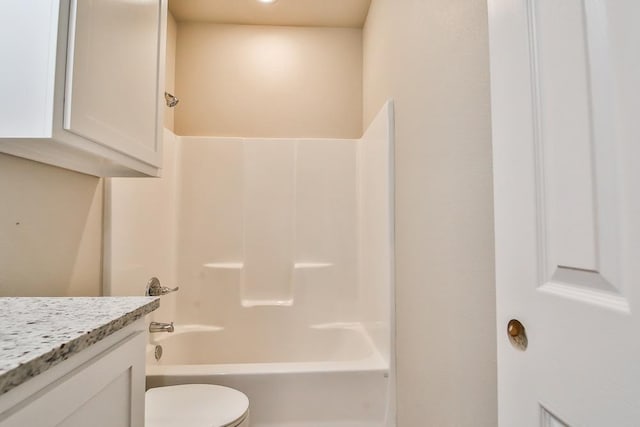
[[38, 333]]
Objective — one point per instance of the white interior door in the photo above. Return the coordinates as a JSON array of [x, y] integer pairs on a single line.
[[565, 78]]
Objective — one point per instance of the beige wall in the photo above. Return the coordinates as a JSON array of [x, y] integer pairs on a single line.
[[267, 81], [50, 230], [432, 58], [376, 60]]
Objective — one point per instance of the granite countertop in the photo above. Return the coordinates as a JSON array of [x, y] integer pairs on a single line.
[[38, 333]]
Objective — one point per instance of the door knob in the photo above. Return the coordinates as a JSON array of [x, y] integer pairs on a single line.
[[514, 328], [517, 334]]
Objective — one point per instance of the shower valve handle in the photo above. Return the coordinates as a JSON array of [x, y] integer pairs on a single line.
[[155, 289]]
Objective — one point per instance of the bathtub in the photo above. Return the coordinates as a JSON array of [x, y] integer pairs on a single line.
[[328, 375]]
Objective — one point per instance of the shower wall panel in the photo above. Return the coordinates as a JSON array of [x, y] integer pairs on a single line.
[[269, 215], [325, 264], [140, 231], [210, 227], [266, 224], [376, 227]]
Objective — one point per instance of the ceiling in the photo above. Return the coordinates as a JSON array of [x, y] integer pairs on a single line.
[[313, 13]]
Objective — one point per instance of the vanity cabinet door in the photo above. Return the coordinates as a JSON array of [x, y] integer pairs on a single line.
[[113, 77], [106, 390], [27, 67]]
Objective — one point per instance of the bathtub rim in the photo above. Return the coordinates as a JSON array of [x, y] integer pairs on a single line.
[[374, 362]]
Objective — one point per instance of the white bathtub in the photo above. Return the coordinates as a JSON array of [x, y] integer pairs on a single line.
[[321, 376]]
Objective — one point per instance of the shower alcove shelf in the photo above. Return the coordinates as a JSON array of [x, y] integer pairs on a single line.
[[236, 269]]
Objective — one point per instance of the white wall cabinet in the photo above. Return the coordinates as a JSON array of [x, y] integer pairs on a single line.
[[82, 84], [101, 386]]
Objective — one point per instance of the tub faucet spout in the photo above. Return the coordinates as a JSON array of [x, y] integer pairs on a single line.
[[161, 327]]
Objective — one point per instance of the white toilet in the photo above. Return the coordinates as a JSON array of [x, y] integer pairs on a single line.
[[196, 405]]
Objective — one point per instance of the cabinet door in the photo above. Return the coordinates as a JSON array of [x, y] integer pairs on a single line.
[[113, 75], [27, 65], [105, 391]]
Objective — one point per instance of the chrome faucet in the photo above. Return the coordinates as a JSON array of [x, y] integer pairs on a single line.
[[161, 327]]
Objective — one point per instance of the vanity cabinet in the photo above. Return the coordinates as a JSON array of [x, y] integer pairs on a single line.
[[101, 386], [82, 84]]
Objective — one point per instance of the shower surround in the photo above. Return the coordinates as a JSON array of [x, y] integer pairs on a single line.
[[267, 222], [283, 252]]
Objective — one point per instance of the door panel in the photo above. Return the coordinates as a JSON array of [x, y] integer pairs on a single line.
[[576, 146], [565, 83]]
